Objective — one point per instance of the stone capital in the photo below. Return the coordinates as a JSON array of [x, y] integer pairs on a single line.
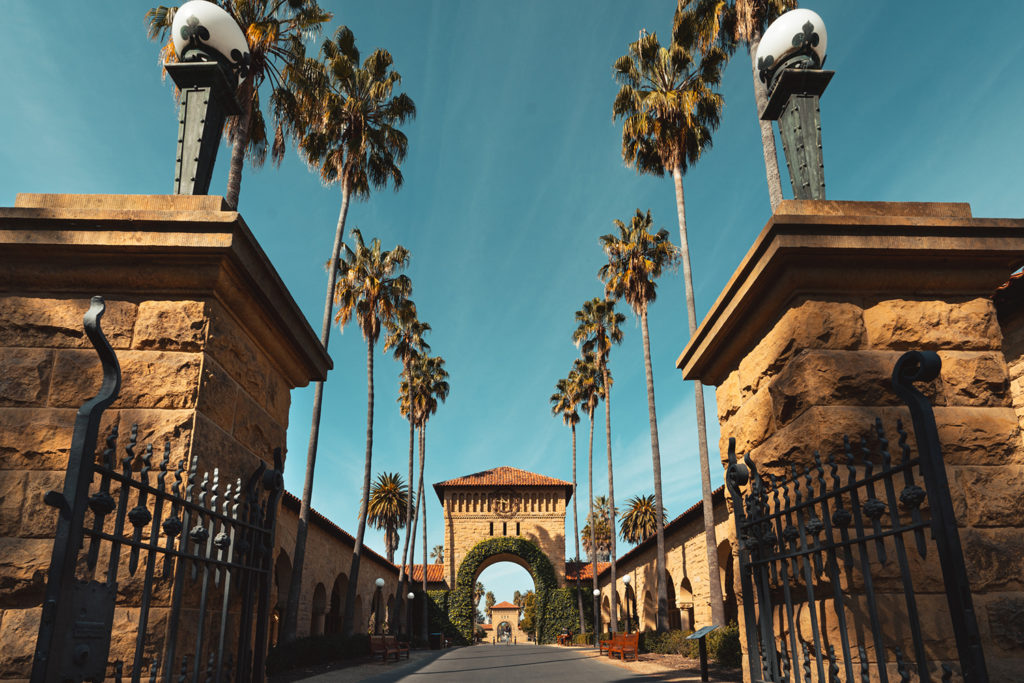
[[153, 246], [849, 251]]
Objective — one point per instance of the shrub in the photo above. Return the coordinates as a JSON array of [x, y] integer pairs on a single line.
[[724, 645], [316, 650]]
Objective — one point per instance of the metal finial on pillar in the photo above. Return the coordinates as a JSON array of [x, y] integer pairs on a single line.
[[789, 60], [212, 56]]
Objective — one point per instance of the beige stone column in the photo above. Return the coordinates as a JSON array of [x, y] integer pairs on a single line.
[[802, 341], [209, 340]]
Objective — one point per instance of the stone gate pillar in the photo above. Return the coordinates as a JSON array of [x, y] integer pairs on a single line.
[[802, 341], [209, 340]]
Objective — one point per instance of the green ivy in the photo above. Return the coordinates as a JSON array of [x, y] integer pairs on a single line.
[[562, 614], [460, 604]]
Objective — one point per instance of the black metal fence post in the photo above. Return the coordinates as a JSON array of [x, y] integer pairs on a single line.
[[924, 366]]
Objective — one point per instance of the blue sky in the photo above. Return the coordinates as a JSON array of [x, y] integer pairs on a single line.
[[513, 173]]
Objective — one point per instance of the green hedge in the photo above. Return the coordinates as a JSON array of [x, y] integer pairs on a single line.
[[723, 644], [316, 650], [460, 602]]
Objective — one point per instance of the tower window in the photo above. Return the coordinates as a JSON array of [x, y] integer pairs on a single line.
[[517, 529], [492, 528], [504, 528]]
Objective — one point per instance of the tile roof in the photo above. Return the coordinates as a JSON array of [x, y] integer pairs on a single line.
[[503, 476], [695, 511], [435, 573], [585, 570], [505, 605], [487, 627], [291, 502]]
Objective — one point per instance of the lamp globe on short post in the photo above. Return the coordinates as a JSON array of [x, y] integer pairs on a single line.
[[379, 599], [408, 613], [626, 579], [789, 61], [597, 618], [212, 56]]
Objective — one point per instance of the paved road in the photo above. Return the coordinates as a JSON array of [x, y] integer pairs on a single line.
[[518, 664]]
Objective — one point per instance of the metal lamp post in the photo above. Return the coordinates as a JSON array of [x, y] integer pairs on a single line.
[[212, 56], [597, 618], [629, 623], [379, 598], [408, 613], [789, 60]]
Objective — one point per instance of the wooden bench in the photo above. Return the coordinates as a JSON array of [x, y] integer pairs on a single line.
[[603, 645], [379, 646], [564, 638], [400, 647], [623, 645]]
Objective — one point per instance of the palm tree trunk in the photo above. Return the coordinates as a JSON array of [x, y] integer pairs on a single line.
[[662, 623], [576, 531], [714, 582], [292, 609], [357, 549], [593, 531], [412, 550], [771, 156], [423, 502], [409, 531], [613, 614], [238, 157]]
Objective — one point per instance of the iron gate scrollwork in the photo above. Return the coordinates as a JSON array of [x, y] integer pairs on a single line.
[[198, 543], [831, 552]]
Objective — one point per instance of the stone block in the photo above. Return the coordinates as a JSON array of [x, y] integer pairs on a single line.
[[39, 520], [150, 379], [170, 326], [751, 425], [829, 377], [25, 379], [18, 631], [993, 559], [12, 499], [35, 438], [907, 324], [215, 447], [728, 397], [153, 427], [23, 566], [811, 325], [974, 378], [978, 436], [218, 394], [255, 429], [994, 495], [57, 323]]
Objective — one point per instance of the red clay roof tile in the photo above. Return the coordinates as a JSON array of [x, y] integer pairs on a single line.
[[503, 476]]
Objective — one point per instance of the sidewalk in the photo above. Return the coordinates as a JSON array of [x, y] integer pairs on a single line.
[[668, 668]]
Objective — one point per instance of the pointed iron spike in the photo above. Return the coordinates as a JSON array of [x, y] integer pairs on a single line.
[[129, 449], [807, 660], [947, 672], [111, 449], [901, 666], [167, 454], [865, 675]]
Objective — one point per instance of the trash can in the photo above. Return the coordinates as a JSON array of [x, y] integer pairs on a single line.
[[435, 641]]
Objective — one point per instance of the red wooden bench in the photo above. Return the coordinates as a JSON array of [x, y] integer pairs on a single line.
[[379, 646], [603, 645], [398, 646], [625, 645]]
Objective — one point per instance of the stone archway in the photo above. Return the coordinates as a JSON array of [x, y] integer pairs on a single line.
[[491, 551]]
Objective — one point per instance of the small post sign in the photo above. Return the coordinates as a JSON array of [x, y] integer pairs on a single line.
[[702, 648]]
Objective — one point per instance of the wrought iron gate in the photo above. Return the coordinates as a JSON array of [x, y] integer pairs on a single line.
[[205, 549], [827, 556]]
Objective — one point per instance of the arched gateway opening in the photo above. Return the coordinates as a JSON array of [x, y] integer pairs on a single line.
[[492, 551]]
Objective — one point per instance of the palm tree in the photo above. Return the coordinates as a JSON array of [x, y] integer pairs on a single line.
[[636, 258], [669, 109], [371, 290], [405, 340], [590, 387], [430, 381], [598, 329], [274, 31], [389, 499], [726, 25], [489, 603], [563, 403], [597, 527], [640, 521], [437, 554], [345, 117]]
